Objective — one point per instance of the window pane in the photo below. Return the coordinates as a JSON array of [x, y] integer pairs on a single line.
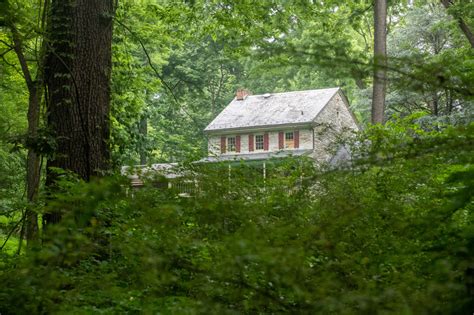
[[259, 142], [289, 140], [231, 144]]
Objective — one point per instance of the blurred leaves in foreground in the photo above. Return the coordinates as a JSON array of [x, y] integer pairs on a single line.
[[391, 233]]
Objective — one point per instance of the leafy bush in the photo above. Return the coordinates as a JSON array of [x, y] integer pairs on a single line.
[[390, 234]]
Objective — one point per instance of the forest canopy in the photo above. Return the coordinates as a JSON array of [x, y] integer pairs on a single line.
[[89, 87]]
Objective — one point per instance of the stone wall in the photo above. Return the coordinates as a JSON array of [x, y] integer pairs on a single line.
[[333, 124]]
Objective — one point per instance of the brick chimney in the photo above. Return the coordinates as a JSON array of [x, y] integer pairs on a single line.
[[241, 94]]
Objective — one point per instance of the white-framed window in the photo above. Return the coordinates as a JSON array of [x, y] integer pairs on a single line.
[[259, 142], [231, 144], [289, 140]]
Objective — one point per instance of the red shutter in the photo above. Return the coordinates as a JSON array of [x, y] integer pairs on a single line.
[[237, 144], [280, 140], [297, 139], [223, 140], [265, 142], [251, 142]]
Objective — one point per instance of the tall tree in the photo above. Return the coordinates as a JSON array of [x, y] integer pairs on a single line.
[[77, 76], [431, 40], [380, 55], [34, 84]]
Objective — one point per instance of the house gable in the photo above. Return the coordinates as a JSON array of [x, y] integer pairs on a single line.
[[335, 121]]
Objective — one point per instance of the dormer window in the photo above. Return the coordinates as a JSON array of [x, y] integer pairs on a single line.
[[289, 140], [259, 142], [231, 144]]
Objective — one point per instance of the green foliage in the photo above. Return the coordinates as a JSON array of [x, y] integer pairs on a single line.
[[13, 104], [428, 47], [390, 234], [203, 51]]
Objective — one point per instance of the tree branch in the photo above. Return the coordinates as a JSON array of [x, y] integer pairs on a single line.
[[157, 73], [150, 63], [462, 24], [11, 232], [18, 48], [6, 44], [5, 52]]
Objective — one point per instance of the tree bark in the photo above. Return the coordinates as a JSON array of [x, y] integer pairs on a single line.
[[77, 76], [143, 130], [380, 61], [462, 24], [435, 104], [33, 170], [33, 117]]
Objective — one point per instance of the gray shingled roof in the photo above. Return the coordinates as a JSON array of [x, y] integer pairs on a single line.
[[297, 107]]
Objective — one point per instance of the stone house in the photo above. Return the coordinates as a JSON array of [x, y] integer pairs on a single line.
[[259, 127]]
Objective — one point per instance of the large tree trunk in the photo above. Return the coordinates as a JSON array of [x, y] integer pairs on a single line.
[[380, 61], [78, 68]]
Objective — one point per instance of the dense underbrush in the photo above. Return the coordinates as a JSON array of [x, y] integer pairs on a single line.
[[390, 233]]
